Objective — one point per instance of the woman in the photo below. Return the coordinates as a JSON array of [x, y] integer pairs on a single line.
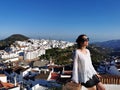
[[83, 70]]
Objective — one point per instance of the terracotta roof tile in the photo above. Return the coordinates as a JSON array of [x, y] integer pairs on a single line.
[[6, 85]]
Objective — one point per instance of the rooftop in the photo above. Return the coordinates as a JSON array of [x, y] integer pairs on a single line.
[[42, 75], [6, 85]]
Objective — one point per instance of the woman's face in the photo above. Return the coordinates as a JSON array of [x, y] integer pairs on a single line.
[[85, 41]]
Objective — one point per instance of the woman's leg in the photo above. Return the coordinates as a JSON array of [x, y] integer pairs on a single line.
[[100, 86], [92, 88]]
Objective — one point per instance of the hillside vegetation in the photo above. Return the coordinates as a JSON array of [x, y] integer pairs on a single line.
[[64, 56]]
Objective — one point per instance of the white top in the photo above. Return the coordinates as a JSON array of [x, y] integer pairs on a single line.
[[83, 69]]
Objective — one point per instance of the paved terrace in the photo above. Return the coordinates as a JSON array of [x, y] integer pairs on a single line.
[[108, 87], [110, 82]]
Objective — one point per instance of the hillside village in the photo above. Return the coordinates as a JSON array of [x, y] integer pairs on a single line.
[[31, 49], [15, 61]]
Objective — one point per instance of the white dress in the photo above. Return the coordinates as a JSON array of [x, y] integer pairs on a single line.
[[83, 69]]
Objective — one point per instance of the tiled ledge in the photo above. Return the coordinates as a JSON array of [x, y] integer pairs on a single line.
[[110, 79]]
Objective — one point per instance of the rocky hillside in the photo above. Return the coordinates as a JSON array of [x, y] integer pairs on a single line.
[[114, 44]]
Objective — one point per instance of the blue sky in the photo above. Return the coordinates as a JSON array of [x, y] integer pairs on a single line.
[[61, 19]]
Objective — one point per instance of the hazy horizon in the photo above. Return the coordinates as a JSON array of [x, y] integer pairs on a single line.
[[64, 39]]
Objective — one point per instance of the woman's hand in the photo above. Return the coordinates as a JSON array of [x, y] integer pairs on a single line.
[[98, 75]]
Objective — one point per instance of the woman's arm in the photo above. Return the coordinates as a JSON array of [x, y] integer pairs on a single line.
[[75, 68]]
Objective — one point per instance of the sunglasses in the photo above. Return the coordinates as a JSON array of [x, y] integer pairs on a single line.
[[84, 39]]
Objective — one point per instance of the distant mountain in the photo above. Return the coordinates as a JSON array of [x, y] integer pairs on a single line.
[[113, 44], [11, 39], [16, 37]]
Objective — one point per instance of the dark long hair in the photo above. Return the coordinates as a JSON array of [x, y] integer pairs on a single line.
[[79, 40]]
